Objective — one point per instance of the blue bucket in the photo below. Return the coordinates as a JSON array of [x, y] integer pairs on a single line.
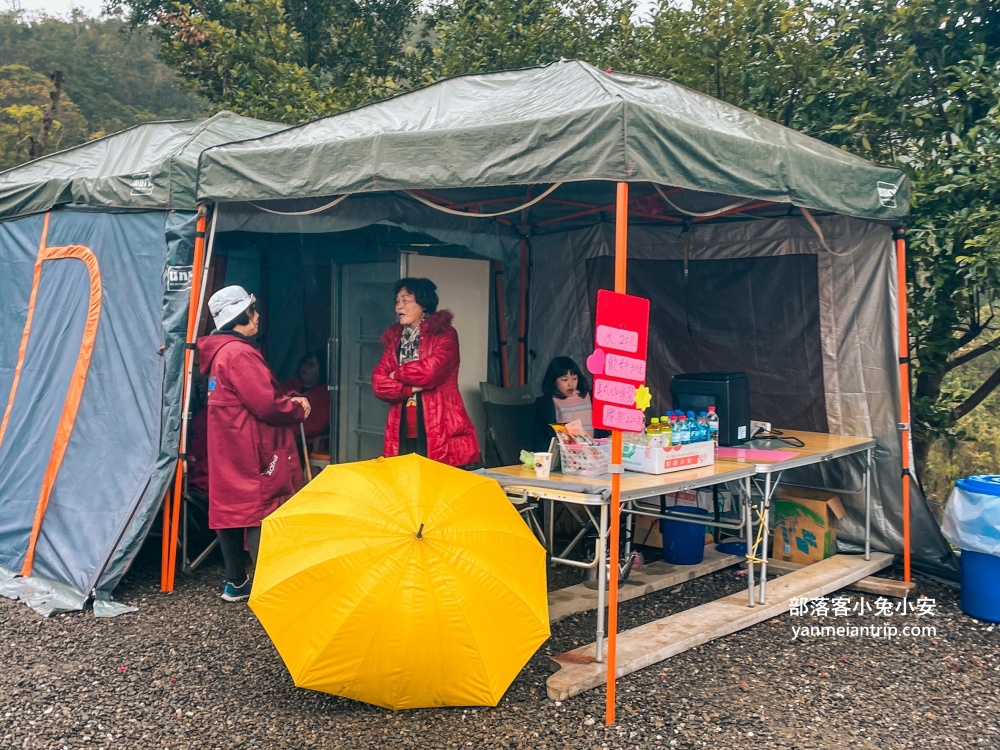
[[980, 586], [683, 543], [971, 520]]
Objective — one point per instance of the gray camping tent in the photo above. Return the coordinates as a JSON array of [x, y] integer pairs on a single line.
[[91, 352], [761, 249]]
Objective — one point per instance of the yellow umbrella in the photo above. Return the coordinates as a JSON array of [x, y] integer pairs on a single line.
[[402, 582]]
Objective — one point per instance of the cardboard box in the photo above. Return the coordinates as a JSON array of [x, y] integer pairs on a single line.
[[805, 528], [646, 532], [649, 455]]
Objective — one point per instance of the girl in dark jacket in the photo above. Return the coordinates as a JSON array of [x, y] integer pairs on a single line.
[[418, 376], [565, 398]]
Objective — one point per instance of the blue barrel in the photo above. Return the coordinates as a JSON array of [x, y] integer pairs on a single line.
[[981, 586], [981, 571], [683, 543]]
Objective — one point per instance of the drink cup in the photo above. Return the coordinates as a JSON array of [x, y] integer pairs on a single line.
[[543, 465]]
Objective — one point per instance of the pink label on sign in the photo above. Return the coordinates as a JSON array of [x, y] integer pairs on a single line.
[[617, 418], [617, 338], [626, 368], [616, 393]]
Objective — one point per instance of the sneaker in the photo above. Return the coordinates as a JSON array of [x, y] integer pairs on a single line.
[[233, 593]]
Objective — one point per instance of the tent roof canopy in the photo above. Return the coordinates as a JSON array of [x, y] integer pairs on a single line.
[[563, 122], [152, 165]]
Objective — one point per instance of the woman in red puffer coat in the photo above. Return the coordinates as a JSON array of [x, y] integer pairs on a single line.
[[418, 377]]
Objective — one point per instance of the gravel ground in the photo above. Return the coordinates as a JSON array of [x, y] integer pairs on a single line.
[[190, 671]]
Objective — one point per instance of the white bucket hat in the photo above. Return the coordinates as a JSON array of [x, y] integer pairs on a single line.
[[227, 304]]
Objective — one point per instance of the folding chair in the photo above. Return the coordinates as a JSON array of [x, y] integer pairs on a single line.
[[510, 422], [194, 529]]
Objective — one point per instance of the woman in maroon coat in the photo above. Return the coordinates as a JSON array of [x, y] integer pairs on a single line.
[[418, 377], [251, 443]]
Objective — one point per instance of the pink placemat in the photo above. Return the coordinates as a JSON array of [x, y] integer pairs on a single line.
[[754, 454]]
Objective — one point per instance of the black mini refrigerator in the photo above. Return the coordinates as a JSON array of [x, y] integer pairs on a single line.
[[728, 392]]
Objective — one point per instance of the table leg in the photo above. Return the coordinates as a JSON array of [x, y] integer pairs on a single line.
[[629, 526], [868, 503], [748, 521], [765, 512], [602, 581], [550, 522]]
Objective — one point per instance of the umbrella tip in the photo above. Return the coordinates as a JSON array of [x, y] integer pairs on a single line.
[[420, 532]]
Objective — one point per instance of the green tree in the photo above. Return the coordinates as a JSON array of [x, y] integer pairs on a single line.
[[24, 99], [115, 79], [288, 61], [764, 56], [475, 36], [976, 447], [922, 92], [913, 84]]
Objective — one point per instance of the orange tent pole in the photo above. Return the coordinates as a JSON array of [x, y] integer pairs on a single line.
[[621, 255], [171, 530], [501, 324], [522, 336], [899, 235], [165, 538]]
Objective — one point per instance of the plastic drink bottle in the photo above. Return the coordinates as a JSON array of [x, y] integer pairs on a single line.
[[654, 426], [713, 425], [666, 431], [675, 430], [703, 427], [692, 427], [684, 426]]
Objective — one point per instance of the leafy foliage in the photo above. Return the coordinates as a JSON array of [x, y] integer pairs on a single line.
[[24, 99], [287, 61], [915, 84], [923, 93], [770, 57], [474, 36], [974, 448], [115, 80]]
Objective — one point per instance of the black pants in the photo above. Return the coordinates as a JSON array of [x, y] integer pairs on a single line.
[[418, 444], [231, 544]]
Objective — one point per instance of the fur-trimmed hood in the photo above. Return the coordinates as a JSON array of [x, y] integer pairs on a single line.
[[434, 325]]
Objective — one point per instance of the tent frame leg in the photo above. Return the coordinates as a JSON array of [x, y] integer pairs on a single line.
[[172, 504], [899, 235], [621, 258]]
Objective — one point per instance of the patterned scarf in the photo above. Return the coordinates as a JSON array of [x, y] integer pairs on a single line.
[[409, 345]]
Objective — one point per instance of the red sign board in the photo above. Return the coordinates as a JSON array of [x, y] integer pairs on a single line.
[[618, 363]]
